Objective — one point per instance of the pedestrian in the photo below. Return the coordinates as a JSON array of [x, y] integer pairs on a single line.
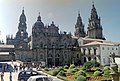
[[15, 67], [20, 67], [2, 75], [10, 76], [23, 67]]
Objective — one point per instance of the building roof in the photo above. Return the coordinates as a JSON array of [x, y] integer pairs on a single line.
[[90, 39], [98, 43]]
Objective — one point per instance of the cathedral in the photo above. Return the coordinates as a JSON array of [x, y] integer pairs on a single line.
[[49, 46]]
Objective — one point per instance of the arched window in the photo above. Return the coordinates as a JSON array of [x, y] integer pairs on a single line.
[[77, 55], [89, 51], [21, 33], [41, 56], [83, 51], [94, 51], [65, 55], [57, 55], [84, 59], [89, 58], [95, 58], [65, 45], [41, 44]]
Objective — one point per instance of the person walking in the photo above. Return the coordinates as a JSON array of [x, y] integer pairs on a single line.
[[2, 75], [10, 76]]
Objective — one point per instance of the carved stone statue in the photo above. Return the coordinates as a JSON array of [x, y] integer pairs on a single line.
[[113, 57], [114, 68]]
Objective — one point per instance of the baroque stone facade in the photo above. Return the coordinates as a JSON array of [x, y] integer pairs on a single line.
[[51, 47]]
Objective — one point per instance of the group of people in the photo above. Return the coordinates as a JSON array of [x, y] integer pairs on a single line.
[[20, 67], [16, 68]]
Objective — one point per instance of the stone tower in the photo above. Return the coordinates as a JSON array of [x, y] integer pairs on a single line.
[[94, 26], [79, 27], [21, 35]]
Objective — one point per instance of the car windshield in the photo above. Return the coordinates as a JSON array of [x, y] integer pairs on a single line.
[[39, 79], [46, 79]]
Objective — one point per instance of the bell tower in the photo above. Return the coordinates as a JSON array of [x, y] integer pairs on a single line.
[[79, 27], [22, 34], [94, 27]]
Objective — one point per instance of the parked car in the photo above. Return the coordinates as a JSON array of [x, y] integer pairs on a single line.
[[5, 67], [40, 78], [25, 74]]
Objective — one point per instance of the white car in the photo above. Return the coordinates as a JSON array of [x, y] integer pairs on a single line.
[[39, 78]]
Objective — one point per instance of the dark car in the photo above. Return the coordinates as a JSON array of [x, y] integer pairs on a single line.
[[25, 74], [5, 67]]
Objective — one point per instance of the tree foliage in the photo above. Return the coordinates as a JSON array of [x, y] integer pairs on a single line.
[[90, 64], [72, 66], [81, 78]]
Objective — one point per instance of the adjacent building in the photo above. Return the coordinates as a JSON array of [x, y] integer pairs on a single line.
[[7, 52]]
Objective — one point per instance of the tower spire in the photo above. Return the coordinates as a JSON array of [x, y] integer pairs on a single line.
[[39, 18], [79, 27], [22, 16], [93, 12], [78, 13], [23, 11], [93, 2], [39, 13]]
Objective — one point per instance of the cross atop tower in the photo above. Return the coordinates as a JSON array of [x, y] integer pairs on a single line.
[[39, 13]]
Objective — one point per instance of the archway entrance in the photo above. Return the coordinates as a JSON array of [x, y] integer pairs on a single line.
[[89, 58], [85, 59], [49, 62], [56, 61]]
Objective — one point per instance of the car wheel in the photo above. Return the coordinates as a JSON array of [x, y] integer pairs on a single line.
[[22, 79]]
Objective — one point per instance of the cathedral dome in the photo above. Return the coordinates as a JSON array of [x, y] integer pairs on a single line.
[[39, 23]]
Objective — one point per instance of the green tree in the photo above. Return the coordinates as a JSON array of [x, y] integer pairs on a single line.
[[88, 65]]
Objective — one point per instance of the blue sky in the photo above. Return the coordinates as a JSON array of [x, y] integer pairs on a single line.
[[63, 12]]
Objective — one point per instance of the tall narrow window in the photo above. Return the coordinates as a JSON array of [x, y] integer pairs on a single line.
[[94, 51], [89, 51], [41, 56], [103, 60], [77, 55], [83, 51]]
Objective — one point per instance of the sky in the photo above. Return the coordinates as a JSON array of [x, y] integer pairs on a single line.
[[63, 12]]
